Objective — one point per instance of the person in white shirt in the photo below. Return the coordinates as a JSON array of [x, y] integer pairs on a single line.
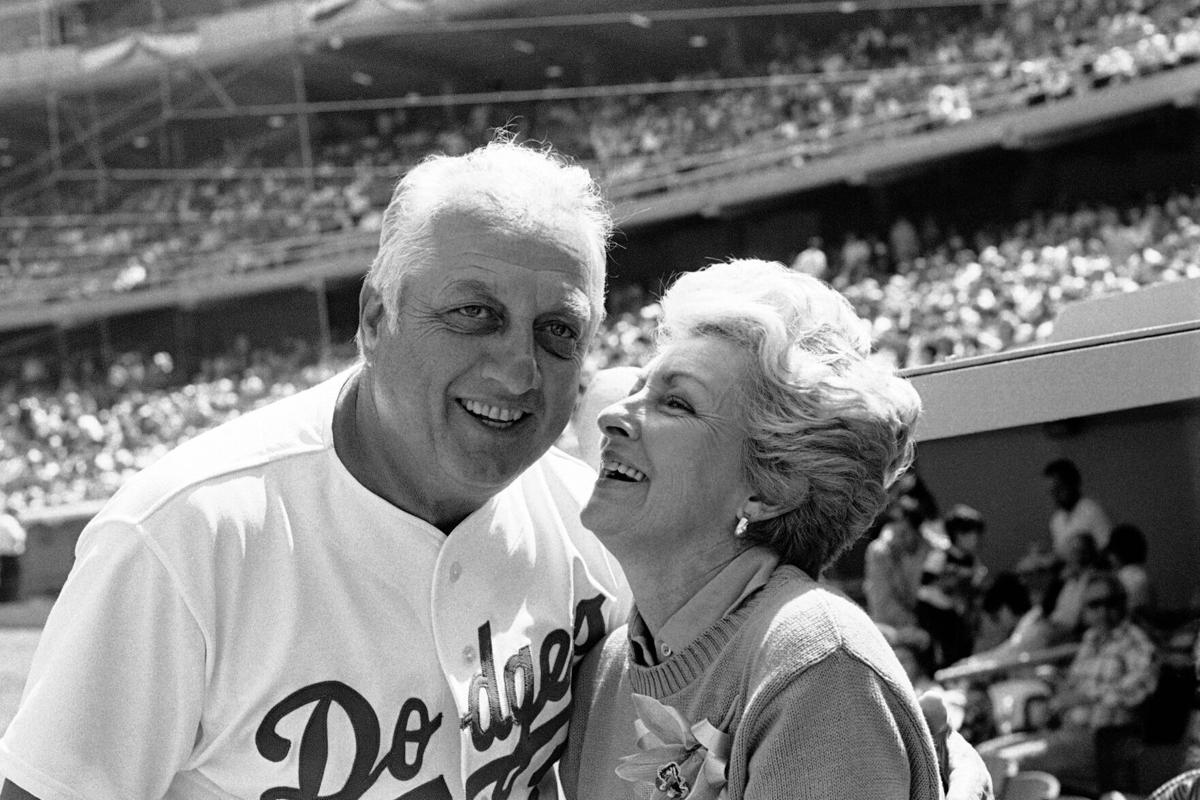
[[1073, 513], [377, 588], [12, 548]]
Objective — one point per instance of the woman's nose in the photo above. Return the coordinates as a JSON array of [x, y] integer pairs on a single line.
[[618, 419]]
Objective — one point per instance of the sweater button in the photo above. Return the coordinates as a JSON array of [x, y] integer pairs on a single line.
[[455, 572], [665, 649], [469, 654]]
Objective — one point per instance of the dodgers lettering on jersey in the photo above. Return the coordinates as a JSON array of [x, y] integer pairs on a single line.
[[528, 685]]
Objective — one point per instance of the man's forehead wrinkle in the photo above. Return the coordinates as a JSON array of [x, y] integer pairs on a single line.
[[569, 264], [469, 286]]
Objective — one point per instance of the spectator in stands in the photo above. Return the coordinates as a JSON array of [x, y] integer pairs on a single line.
[[1126, 554], [951, 580], [1114, 672], [894, 563], [905, 244], [1038, 573], [1004, 603], [12, 548], [264, 572], [1185, 786], [811, 260], [1082, 564], [1073, 513], [1191, 755], [856, 260]]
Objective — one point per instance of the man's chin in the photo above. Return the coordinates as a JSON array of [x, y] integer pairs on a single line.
[[488, 474]]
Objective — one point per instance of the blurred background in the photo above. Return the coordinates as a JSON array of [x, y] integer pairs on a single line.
[[191, 191]]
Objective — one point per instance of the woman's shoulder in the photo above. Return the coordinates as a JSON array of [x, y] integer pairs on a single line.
[[799, 622]]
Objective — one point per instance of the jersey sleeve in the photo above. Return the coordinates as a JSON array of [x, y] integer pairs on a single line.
[[801, 737], [113, 701]]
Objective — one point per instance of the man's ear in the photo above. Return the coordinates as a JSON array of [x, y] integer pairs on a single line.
[[372, 317]]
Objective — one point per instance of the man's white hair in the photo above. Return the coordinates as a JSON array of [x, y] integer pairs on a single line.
[[515, 187]]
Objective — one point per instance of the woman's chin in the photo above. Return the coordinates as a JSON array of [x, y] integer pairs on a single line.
[[597, 517]]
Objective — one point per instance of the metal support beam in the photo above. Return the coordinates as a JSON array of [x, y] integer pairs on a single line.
[[325, 342], [164, 91], [301, 97]]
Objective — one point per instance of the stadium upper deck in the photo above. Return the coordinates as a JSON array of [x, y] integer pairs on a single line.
[[273, 173]]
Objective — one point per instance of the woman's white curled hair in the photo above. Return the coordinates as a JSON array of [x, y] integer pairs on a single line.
[[829, 428]]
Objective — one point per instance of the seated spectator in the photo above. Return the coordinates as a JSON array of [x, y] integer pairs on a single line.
[[1185, 786], [894, 561], [811, 260], [1191, 755], [1073, 513], [1004, 603], [1116, 669], [1126, 554], [1083, 562], [1038, 573], [950, 584]]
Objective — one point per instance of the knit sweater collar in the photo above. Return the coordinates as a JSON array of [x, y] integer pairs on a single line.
[[675, 673]]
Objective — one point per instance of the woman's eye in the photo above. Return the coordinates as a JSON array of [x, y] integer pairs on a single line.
[[677, 403]]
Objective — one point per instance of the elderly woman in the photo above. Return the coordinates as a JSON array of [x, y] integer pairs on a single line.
[[756, 447]]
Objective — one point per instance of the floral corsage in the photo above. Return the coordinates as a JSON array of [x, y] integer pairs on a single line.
[[675, 758]]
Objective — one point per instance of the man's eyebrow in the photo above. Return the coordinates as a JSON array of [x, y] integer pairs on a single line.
[[577, 306], [470, 286]]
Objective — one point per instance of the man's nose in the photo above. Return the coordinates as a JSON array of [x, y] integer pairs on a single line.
[[513, 363]]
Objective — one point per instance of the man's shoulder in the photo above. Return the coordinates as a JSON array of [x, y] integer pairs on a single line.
[[248, 445]]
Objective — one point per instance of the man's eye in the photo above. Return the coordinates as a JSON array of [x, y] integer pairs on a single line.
[[473, 312], [558, 339], [561, 330]]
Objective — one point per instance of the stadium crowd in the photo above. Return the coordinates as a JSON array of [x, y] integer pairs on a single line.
[[801, 98], [77, 438], [932, 297]]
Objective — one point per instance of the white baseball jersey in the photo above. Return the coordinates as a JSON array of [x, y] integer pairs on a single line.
[[244, 619]]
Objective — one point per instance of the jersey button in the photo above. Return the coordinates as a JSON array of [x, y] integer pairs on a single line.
[[455, 571], [469, 654], [665, 649]]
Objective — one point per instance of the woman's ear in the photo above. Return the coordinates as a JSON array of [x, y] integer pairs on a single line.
[[756, 509]]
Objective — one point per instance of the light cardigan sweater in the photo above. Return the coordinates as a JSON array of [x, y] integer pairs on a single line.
[[814, 701]]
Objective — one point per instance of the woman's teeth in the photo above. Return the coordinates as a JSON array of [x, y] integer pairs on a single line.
[[621, 472], [494, 416]]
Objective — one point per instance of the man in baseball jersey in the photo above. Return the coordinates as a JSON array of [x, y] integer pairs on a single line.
[[377, 588]]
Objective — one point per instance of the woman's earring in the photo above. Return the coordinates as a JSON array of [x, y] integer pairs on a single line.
[[742, 525]]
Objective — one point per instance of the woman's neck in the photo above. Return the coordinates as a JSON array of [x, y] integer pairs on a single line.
[[663, 583]]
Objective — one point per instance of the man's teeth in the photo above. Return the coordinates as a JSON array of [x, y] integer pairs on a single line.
[[493, 413], [614, 468]]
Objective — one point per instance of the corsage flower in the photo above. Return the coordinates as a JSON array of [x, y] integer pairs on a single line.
[[676, 759]]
